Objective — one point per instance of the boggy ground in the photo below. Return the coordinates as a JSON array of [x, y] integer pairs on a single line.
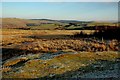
[[34, 41], [41, 53]]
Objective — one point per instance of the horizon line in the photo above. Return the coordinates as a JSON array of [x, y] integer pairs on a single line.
[[64, 19]]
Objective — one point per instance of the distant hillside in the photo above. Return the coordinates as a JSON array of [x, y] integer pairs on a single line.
[[25, 23], [49, 24], [74, 21], [35, 23]]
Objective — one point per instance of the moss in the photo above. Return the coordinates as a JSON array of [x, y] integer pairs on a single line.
[[62, 63]]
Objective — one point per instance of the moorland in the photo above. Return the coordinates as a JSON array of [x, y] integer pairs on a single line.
[[53, 49]]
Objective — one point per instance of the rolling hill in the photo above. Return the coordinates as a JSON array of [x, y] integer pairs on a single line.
[[40, 24]]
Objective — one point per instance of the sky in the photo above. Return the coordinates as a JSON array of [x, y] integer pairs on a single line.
[[85, 11], [60, 0]]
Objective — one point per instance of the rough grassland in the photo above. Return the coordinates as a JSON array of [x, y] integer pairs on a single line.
[[60, 64], [23, 49]]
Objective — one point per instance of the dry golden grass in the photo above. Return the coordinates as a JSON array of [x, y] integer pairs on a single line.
[[14, 61], [13, 37], [6, 69], [35, 68]]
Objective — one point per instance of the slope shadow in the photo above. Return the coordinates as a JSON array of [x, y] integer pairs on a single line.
[[107, 34], [50, 37], [101, 65], [8, 53]]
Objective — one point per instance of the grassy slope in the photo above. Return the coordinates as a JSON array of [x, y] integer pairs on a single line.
[[20, 23], [36, 68], [101, 23], [13, 22]]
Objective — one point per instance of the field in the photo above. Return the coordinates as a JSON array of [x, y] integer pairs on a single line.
[[57, 54]]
